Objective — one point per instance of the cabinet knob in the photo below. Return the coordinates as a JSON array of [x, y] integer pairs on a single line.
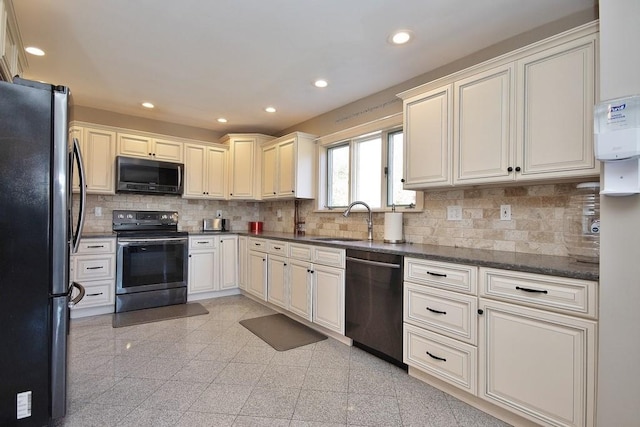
[[480, 311], [189, 256], [149, 153], [402, 180], [293, 191], [518, 169], [274, 192], [509, 169]]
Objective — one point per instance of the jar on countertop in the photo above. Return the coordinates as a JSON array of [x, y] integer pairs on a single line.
[[581, 228]]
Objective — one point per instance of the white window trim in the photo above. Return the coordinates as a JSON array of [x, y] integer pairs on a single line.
[[386, 125]]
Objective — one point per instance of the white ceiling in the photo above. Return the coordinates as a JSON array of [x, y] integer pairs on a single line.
[[198, 60]]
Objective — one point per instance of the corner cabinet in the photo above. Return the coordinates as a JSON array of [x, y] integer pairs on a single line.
[[524, 116], [244, 165], [288, 167], [205, 172]]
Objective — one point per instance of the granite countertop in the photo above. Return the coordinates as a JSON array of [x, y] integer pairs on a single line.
[[531, 263]]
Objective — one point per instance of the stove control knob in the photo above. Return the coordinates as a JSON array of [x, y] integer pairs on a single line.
[[129, 216], [120, 216], [165, 216]]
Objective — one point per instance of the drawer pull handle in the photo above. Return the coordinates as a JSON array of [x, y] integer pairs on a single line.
[[436, 274], [436, 311], [202, 243], [535, 291], [94, 295], [95, 246], [436, 357], [95, 268], [277, 248]]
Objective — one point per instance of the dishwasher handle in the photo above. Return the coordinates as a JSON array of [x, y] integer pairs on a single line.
[[376, 263]]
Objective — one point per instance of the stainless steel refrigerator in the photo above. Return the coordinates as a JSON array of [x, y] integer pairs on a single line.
[[38, 231]]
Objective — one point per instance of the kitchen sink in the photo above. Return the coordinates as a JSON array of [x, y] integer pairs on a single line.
[[336, 239]]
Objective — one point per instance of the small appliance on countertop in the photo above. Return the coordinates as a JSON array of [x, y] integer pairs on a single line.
[[214, 224]]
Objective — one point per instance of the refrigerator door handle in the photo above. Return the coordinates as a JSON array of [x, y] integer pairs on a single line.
[[78, 297], [83, 195]]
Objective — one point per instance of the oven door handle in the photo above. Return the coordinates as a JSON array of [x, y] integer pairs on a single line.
[[128, 241]]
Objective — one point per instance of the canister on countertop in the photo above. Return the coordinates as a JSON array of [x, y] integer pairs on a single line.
[[255, 226]]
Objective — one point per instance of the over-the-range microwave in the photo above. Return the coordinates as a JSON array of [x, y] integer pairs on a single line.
[[146, 176]]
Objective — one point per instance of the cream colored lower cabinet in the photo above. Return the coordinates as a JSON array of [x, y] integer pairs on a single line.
[[538, 364], [204, 267], [243, 266], [328, 297], [257, 278], [94, 267], [300, 282], [228, 262], [277, 280]]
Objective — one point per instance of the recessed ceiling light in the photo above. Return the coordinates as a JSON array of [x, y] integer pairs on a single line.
[[320, 83], [400, 37], [34, 51], [147, 105], [222, 120], [270, 110]]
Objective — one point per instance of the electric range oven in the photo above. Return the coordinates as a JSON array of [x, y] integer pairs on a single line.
[[151, 261]]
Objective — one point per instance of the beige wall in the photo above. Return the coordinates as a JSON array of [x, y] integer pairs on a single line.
[[385, 103], [94, 115], [619, 339]]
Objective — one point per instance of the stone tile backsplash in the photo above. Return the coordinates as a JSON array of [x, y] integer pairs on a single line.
[[537, 213]]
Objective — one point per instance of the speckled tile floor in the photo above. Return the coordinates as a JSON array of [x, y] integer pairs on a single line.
[[210, 371]]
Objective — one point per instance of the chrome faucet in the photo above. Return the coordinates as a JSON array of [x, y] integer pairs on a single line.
[[369, 221]]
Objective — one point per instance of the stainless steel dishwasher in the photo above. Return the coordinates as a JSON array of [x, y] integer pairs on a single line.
[[373, 305]]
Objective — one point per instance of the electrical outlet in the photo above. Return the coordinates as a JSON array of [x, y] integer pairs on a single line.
[[279, 213], [454, 213], [218, 213], [97, 211], [505, 212]]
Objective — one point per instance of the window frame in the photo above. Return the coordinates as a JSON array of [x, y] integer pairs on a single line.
[[383, 127]]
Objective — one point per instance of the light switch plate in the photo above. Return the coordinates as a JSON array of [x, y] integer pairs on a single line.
[[218, 213], [505, 212]]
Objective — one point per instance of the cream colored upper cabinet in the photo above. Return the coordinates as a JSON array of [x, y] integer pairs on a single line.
[[555, 113], [245, 165], [269, 171], [132, 145], [428, 133], [288, 167], [205, 172], [75, 132], [98, 148], [12, 54], [483, 131]]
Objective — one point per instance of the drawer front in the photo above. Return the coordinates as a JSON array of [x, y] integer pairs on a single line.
[[333, 257], [199, 243], [94, 267], [447, 359], [571, 296], [97, 293], [96, 246], [277, 247], [301, 252], [454, 277], [447, 313], [259, 245]]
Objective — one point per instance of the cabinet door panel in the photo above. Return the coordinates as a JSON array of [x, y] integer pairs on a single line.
[[202, 272], [195, 173], [216, 173], [257, 283], [277, 280], [300, 288], [167, 151], [286, 169], [427, 160], [269, 170], [99, 154], [539, 364], [229, 262], [556, 112], [243, 262], [483, 132], [243, 168], [134, 146], [328, 297]]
